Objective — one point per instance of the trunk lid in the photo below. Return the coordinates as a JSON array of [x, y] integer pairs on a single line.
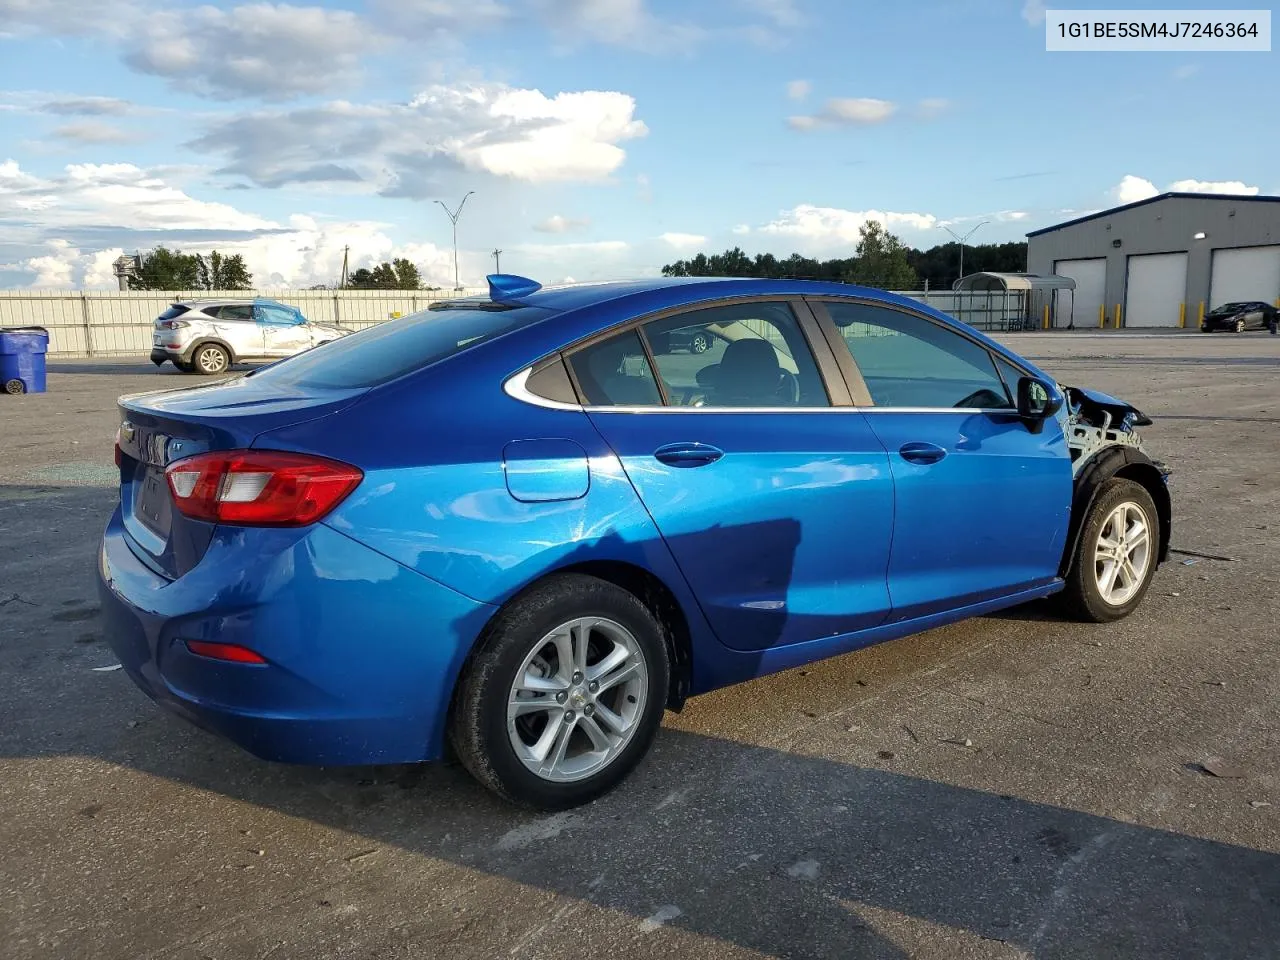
[[158, 428]]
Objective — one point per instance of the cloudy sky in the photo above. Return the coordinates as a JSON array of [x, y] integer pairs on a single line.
[[602, 138]]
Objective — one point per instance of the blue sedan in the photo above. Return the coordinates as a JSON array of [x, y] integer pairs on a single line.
[[520, 527]]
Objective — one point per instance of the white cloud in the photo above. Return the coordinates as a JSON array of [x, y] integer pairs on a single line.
[[860, 109], [847, 110], [741, 229], [71, 17], [87, 106], [1186, 71], [119, 195], [932, 107], [274, 51], [828, 226], [401, 149], [781, 13], [65, 266], [623, 23], [93, 132], [1033, 12], [798, 89], [683, 241], [559, 224], [1132, 189], [802, 122], [1234, 187]]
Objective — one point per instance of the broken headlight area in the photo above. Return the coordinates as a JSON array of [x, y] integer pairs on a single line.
[[1095, 421]]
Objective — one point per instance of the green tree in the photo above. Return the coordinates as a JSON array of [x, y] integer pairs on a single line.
[[164, 269], [222, 273], [398, 274], [882, 260]]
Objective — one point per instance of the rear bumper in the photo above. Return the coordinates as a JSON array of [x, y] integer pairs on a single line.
[[361, 652]]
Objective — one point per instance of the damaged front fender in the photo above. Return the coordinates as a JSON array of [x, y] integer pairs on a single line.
[[1103, 440]]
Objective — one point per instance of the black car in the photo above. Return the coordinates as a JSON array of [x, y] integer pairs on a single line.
[[696, 339], [1239, 317]]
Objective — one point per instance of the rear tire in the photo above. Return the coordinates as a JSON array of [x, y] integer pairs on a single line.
[[1239, 326], [518, 693], [210, 359], [1095, 593]]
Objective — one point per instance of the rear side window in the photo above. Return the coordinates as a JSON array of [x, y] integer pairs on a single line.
[[173, 312], [235, 311], [908, 361], [616, 373], [378, 354]]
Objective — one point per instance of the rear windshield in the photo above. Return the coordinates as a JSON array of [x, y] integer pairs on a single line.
[[176, 310], [378, 354]]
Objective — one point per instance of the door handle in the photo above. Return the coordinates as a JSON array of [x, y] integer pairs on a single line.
[[919, 452], [688, 454]]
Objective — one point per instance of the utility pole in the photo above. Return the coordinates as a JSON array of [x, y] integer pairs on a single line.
[[342, 284], [453, 217], [961, 240], [497, 264]]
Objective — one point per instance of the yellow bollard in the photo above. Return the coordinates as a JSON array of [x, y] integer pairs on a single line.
[[1046, 316], [1117, 316], [1182, 316], [1102, 316], [1202, 313]]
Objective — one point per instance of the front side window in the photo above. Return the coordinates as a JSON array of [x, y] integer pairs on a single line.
[[279, 316], [908, 361], [743, 355]]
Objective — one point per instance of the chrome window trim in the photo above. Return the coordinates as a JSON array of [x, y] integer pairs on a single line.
[[516, 386], [997, 411]]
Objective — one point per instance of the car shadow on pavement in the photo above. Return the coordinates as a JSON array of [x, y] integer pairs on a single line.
[[777, 851]]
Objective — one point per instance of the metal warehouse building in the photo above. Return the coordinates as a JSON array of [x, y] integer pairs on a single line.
[[1162, 262]]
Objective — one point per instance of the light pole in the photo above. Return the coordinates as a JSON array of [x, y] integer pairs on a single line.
[[497, 264], [961, 240], [453, 216]]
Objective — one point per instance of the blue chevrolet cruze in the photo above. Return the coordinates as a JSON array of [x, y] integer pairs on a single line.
[[521, 527]]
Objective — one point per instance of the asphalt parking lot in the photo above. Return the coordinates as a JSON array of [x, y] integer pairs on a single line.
[[1010, 786]]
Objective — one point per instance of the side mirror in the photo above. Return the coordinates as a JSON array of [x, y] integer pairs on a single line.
[[1037, 400]]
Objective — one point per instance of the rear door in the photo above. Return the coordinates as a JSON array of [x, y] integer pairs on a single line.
[[981, 502], [773, 494]]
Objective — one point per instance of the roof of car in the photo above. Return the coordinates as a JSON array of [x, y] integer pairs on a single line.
[[574, 296]]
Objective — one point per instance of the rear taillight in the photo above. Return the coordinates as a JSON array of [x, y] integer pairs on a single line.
[[259, 487], [172, 324]]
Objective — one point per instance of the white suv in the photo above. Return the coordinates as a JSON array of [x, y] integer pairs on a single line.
[[207, 336]]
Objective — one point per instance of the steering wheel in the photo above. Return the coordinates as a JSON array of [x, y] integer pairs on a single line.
[[983, 398], [789, 387]]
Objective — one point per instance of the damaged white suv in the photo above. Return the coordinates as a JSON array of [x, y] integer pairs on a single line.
[[208, 336]]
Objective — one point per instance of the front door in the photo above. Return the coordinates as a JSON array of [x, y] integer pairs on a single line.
[[982, 502], [284, 331], [777, 506]]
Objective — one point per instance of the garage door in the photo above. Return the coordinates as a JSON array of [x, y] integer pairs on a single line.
[[1246, 273], [1082, 303], [1154, 289]]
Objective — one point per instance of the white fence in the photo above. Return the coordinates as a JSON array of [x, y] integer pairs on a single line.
[[112, 323]]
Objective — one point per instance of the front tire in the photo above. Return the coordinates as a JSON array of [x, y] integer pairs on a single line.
[[564, 694], [211, 359], [1116, 557], [1239, 326]]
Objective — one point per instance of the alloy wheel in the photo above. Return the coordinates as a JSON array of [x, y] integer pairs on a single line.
[[1122, 553], [577, 699]]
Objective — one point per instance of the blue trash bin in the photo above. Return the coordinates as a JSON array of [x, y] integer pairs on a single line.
[[22, 351]]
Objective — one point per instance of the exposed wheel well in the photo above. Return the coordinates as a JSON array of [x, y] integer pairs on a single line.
[[662, 603], [204, 342], [1131, 464], [650, 591]]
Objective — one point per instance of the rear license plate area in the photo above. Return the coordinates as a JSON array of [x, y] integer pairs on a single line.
[[152, 503]]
